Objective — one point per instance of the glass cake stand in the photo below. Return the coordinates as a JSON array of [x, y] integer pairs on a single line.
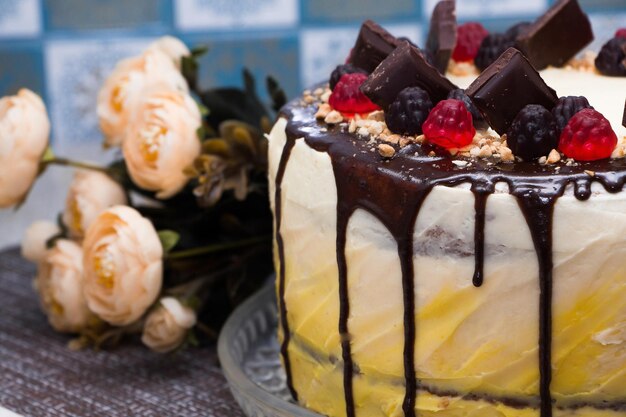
[[249, 353]]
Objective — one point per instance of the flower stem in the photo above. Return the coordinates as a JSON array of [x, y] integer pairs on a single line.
[[75, 164], [204, 250]]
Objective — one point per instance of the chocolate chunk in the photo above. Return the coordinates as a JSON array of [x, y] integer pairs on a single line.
[[557, 36], [405, 67], [624, 117], [442, 34], [372, 46], [506, 87]]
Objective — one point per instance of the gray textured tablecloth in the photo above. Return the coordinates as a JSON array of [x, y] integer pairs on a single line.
[[39, 376]]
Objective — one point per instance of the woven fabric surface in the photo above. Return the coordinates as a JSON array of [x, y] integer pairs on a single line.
[[40, 376]]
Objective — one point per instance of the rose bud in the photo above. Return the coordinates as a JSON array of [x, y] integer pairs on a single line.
[[166, 326], [123, 265], [123, 89], [90, 193], [37, 235], [59, 283], [172, 47], [24, 133], [162, 141]]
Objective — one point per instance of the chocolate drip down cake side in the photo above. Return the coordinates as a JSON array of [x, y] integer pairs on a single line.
[[454, 243]]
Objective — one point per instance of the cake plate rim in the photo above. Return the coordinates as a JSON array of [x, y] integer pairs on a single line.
[[253, 399]]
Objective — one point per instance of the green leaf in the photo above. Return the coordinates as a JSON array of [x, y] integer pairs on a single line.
[[202, 133], [169, 239], [277, 94], [204, 110], [189, 69], [199, 50], [48, 155]]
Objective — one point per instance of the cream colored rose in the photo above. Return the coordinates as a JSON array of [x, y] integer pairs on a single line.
[[24, 133], [59, 283], [172, 47], [162, 141], [122, 91], [166, 327], [90, 193], [34, 243], [123, 265]]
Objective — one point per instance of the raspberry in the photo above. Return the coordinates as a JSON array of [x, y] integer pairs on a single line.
[[347, 96], [408, 112], [620, 33], [491, 48], [449, 125], [587, 137], [514, 31], [468, 39], [341, 70], [567, 107], [533, 133], [477, 117], [610, 60]]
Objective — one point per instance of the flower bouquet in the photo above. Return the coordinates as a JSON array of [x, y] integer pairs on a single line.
[[167, 239]]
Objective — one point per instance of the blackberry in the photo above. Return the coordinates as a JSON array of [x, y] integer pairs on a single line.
[[514, 31], [491, 48], [533, 133], [408, 112], [341, 70], [612, 58], [567, 107], [477, 117]]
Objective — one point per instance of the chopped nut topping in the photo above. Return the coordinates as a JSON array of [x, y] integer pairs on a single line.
[[543, 160], [323, 111], [325, 96], [460, 163], [506, 154], [386, 151], [333, 117], [590, 173], [553, 157]]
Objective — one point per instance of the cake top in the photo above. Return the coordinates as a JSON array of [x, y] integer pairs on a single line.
[[391, 93]]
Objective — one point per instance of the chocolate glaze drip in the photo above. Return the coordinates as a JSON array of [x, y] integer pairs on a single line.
[[281, 273], [480, 204], [343, 216], [394, 190]]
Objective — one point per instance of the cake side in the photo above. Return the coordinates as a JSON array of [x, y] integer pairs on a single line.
[[497, 370]]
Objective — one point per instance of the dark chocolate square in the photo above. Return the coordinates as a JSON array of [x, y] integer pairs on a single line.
[[372, 45], [442, 34], [557, 36], [405, 67], [506, 87]]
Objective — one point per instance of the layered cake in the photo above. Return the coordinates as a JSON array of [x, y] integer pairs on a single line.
[[455, 245]]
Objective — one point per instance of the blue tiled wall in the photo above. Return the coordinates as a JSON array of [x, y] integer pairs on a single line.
[[64, 48]]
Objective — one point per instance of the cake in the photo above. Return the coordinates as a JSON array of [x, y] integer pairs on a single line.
[[420, 279]]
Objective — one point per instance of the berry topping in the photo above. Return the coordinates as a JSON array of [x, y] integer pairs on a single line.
[[477, 117], [533, 133], [491, 48], [514, 31], [587, 137], [408, 112], [468, 39], [347, 96], [567, 107], [612, 57], [449, 125], [620, 33], [342, 70]]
